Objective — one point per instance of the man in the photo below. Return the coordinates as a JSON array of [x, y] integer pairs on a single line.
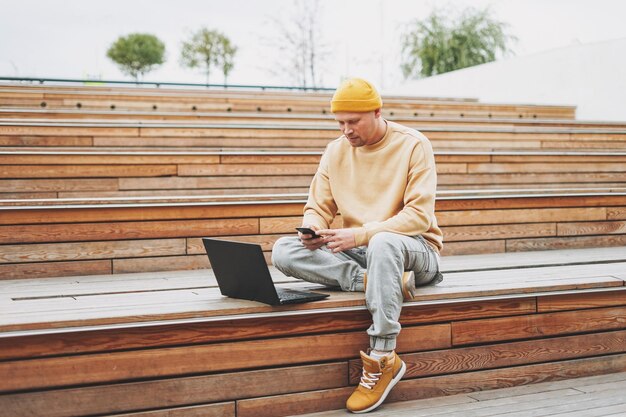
[[380, 176]]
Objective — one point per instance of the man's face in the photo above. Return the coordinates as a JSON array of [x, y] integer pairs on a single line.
[[359, 128]]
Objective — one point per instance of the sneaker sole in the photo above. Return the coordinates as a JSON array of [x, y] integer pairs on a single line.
[[392, 384]]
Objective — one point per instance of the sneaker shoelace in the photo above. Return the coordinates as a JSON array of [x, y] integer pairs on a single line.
[[368, 380]]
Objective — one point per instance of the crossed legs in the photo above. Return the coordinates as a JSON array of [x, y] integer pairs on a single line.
[[384, 260]]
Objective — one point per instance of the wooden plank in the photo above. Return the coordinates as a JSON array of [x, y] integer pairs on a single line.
[[124, 213], [73, 131], [195, 246], [538, 326], [473, 247], [616, 213], [18, 195], [46, 140], [77, 171], [175, 392], [531, 178], [521, 158], [601, 405], [126, 230], [514, 402], [213, 182], [437, 386], [591, 228], [46, 252], [580, 301], [526, 167], [295, 209], [208, 410], [272, 159], [461, 144], [247, 169], [500, 203], [244, 131], [505, 355], [159, 264], [197, 300], [109, 157], [39, 185], [54, 269], [515, 260], [130, 194], [491, 232], [478, 217], [576, 383], [570, 144], [217, 142], [185, 301], [451, 168], [122, 338], [533, 244], [110, 367], [449, 158], [294, 404]]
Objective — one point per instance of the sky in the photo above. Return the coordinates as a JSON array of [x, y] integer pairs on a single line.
[[69, 38]]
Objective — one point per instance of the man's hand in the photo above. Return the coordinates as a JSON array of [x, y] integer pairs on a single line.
[[309, 241], [338, 240]]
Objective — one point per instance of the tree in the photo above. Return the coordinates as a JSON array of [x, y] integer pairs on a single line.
[[301, 45], [137, 54], [207, 49], [438, 45]]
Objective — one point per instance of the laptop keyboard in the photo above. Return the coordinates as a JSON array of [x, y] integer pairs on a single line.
[[285, 294]]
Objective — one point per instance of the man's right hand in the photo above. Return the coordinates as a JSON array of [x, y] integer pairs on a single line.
[[309, 241]]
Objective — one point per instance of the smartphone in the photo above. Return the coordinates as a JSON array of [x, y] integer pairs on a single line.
[[307, 231]]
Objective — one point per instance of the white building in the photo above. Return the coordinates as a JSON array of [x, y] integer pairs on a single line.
[[591, 77]]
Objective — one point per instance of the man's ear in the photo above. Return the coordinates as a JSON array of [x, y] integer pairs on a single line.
[[378, 113]]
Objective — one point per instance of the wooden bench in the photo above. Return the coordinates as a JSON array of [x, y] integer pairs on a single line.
[[173, 100], [54, 238], [266, 136], [61, 173], [169, 344], [416, 119]]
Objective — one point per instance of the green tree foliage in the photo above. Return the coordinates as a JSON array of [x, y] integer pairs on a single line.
[[207, 49], [438, 44], [137, 53]]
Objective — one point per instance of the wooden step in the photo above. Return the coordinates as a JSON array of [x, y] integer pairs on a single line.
[[139, 343]]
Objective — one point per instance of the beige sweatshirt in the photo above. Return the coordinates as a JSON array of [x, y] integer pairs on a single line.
[[388, 186]]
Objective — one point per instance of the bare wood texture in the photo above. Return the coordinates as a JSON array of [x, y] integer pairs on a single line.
[[127, 230], [537, 326], [436, 386], [179, 100], [92, 171], [55, 269], [112, 367], [578, 301], [145, 213], [467, 359], [91, 250], [175, 392], [209, 410], [233, 330]]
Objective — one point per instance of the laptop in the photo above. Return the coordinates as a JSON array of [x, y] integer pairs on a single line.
[[241, 272]]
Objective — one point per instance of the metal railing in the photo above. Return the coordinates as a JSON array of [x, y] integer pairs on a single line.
[[162, 84]]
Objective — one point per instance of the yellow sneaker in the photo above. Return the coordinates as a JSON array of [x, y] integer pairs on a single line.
[[378, 378]]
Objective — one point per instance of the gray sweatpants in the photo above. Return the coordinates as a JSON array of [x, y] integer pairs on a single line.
[[385, 259]]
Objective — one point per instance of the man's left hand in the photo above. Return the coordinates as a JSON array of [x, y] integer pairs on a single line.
[[338, 240]]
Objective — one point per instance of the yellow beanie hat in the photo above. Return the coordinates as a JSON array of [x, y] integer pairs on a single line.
[[355, 95]]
